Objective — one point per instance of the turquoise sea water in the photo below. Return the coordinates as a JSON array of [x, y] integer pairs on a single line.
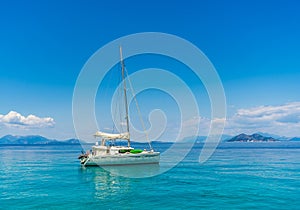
[[237, 176]]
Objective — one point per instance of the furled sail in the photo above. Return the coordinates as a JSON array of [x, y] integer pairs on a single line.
[[112, 135]]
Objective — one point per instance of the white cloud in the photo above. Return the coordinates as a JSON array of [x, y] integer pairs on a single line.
[[16, 120], [281, 120]]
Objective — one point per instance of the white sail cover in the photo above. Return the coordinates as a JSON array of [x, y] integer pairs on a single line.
[[112, 135]]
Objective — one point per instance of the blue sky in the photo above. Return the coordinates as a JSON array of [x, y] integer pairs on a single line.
[[254, 46]]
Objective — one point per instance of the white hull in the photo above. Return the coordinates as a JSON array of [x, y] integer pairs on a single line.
[[121, 159]]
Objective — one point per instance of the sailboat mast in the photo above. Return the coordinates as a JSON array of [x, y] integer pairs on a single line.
[[125, 95]]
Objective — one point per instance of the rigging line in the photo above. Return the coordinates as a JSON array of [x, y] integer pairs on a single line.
[[113, 121], [125, 96], [118, 111], [116, 107], [121, 105], [139, 111]]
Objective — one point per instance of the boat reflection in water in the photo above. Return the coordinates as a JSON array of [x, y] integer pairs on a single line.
[[130, 171], [134, 171], [111, 182], [106, 185]]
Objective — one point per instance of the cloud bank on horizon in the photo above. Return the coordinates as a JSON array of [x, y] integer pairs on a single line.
[[282, 120], [14, 119]]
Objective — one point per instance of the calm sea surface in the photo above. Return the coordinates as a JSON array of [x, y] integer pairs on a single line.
[[237, 176]]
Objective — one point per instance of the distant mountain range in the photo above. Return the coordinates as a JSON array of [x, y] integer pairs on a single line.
[[35, 139], [256, 137], [295, 139], [40, 140]]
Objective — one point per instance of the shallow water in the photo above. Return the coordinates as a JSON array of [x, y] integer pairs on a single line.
[[237, 176]]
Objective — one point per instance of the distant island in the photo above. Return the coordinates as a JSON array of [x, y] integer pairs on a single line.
[[35, 140], [261, 137], [252, 138]]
